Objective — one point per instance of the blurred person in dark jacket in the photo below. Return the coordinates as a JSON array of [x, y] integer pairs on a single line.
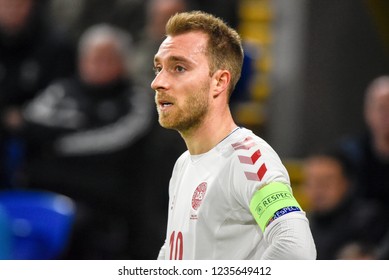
[[337, 217], [369, 152], [85, 136], [32, 54]]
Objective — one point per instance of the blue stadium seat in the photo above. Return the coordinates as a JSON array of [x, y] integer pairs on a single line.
[[40, 223], [5, 235]]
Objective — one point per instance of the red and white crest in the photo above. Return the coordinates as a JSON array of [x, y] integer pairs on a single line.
[[199, 195]]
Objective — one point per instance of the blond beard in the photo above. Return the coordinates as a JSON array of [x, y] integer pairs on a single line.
[[190, 115]]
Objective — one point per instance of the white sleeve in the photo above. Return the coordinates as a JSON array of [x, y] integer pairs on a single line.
[[289, 237]]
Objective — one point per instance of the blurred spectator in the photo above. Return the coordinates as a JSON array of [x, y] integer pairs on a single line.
[[84, 135], [369, 152], [357, 251], [337, 217], [31, 56]]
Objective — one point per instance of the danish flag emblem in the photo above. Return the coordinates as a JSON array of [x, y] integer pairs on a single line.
[[251, 159]]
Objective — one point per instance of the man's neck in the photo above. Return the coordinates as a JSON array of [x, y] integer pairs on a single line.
[[211, 132]]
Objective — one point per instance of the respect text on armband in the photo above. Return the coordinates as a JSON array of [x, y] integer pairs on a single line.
[[276, 197]]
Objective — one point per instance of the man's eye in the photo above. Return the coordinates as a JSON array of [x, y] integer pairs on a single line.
[[179, 69], [157, 69]]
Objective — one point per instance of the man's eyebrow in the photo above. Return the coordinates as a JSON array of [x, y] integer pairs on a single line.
[[178, 59], [173, 58]]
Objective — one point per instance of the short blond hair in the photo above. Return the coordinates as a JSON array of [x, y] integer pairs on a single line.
[[224, 49]]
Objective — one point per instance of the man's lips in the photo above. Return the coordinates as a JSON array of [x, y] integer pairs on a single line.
[[164, 104]]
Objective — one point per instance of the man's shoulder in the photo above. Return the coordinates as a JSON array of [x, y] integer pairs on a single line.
[[253, 159], [244, 141]]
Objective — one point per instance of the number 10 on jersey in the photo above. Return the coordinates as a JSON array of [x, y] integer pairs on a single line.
[[176, 246]]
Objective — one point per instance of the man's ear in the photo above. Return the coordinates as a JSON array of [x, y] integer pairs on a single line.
[[221, 82]]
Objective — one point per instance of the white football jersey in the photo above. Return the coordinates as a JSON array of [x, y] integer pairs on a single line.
[[209, 198]]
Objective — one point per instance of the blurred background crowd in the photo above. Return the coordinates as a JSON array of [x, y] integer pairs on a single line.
[[77, 115]]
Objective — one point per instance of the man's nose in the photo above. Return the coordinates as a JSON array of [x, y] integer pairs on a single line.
[[160, 81]]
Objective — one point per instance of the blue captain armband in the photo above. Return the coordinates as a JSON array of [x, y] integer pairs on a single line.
[[271, 202]]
